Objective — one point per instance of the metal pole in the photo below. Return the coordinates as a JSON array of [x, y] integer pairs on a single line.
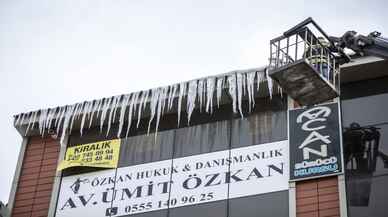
[[288, 44], [321, 59], [270, 55], [305, 41], [277, 54], [311, 49], [328, 67], [334, 73], [296, 47]]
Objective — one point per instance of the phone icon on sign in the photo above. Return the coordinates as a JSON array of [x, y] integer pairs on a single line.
[[111, 211]]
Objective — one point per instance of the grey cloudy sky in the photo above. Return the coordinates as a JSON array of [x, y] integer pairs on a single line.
[[60, 52]]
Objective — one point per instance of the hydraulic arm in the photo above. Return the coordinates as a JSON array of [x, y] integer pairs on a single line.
[[371, 45]]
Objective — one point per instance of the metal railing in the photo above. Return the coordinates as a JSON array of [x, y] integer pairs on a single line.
[[301, 45]]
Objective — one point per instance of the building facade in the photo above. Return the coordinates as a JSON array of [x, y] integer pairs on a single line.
[[219, 147]]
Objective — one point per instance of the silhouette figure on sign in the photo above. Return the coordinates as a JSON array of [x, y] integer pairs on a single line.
[[77, 184]]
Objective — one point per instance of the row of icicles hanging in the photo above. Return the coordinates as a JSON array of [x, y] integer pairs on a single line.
[[160, 99]]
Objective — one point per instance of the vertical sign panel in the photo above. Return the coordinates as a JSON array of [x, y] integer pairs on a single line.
[[315, 142]]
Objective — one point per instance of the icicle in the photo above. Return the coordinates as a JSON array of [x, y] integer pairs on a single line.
[[69, 113], [232, 91], [30, 114], [100, 107], [41, 121], [251, 90], [154, 101], [112, 111], [124, 105], [209, 94], [132, 105], [75, 115], [22, 119], [79, 110], [142, 105], [280, 90], [200, 93], [16, 119], [85, 114], [260, 79], [182, 92], [94, 110], [115, 108], [57, 122], [240, 86], [130, 111], [47, 121], [244, 84], [220, 83], [164, 93], [191, 96], [34, 119], [172, 96], [269, 82], [104, 111], [161, 104], [136, 101], [90, 109], [59, 119]]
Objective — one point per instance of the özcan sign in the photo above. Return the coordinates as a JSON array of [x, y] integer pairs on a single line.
[[315, 144], [175, 183]]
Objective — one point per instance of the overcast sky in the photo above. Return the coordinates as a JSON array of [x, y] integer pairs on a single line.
[[61, 52]]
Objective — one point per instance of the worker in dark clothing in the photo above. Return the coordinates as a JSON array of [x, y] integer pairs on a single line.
[[317, 57]]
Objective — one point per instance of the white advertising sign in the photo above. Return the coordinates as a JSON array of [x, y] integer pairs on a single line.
[[179, 182]]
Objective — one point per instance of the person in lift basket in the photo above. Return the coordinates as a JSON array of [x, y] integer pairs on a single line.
[[317, 56]]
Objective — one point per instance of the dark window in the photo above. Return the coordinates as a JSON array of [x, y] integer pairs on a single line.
[[266, 123], [195, 140], [146, 148], [202, 138], [264, 205], [213, 209], [365, 134]]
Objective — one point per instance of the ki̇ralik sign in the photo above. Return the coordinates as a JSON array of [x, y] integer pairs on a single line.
[[315, 141], [104, 154], [176, 182]]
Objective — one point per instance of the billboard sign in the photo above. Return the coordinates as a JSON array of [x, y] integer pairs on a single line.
[[176, 182], [104, 154], [315, 142]]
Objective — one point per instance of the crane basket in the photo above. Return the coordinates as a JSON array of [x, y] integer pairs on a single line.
[[304, 66]]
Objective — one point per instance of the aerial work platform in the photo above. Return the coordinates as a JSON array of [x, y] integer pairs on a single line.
[[302, 63]]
